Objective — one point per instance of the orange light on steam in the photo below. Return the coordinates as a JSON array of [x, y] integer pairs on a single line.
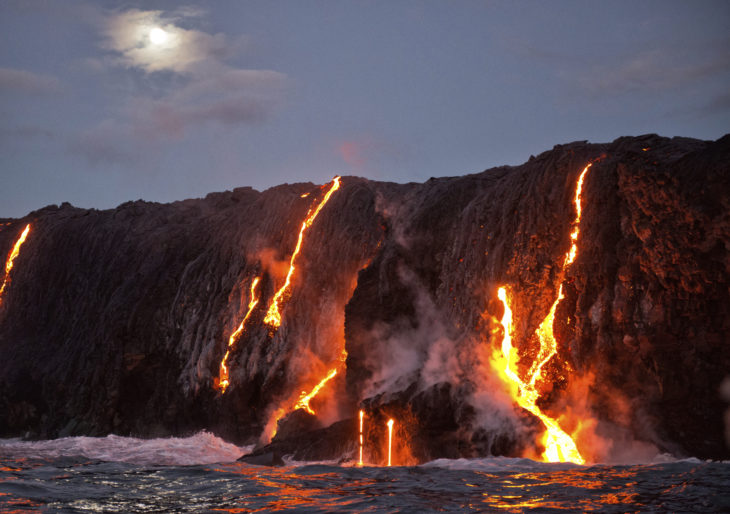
[[305, 398], [362, 414], [273, 316], [11, 258], [223, 379], [390, 439]]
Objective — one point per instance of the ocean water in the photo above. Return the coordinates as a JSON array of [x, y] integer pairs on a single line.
[[200, 474]]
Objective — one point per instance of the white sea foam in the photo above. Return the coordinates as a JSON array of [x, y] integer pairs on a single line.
[[498, 464], [495, 464], [202, 448]]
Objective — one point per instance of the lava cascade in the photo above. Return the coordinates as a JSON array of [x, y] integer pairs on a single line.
[[390, 440], [559, 446], [305, 398], [223, 378], [273, 315], [362, 415], [11, 259]]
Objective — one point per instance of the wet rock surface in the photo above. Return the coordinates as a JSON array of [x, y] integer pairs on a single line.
[[116, 321]]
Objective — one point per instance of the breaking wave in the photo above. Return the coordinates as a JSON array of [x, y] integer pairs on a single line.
[[202, 448]]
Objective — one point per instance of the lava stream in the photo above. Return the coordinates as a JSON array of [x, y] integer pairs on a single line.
[[559, 446], [223, 381], [390, 439], [305, 398], [273, 316], [11, 258], [362, 414]]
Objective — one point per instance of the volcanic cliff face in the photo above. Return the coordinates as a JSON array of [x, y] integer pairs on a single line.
[[117, 321]]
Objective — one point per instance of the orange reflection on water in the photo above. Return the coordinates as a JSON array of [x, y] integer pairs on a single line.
[[282, 489]]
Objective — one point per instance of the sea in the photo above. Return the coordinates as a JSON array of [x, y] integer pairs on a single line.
[[201, 474]]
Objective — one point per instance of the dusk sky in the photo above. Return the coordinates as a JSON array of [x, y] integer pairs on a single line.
[[107, 102]]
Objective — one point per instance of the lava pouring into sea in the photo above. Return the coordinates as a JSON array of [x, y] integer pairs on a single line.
[[362, 415], [390, 440], [223, 380], [559, 446], [273, 315], [11, 259]]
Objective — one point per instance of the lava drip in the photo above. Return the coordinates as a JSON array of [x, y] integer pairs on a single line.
[[11, 259], [273, 315], [223, 382], [559, 446]]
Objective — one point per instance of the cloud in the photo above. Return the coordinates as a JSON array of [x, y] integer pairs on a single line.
[[187, 84], [127, 34], [12, 80], [230, 98], [109, 142], [653, 71]]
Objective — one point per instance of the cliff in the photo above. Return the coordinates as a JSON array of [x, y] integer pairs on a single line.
[[117, 321]]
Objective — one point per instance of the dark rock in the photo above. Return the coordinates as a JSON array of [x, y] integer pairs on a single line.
[[116, 321]]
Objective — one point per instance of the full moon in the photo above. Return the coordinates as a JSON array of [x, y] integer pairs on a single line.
[[157, 36]]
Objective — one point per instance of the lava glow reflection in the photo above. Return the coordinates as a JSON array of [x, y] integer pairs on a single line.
[[559, 446], [11, 259], [273, 315]]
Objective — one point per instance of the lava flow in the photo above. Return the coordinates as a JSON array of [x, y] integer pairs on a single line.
[[362, 414], [390, 439], [559, 446], [11, 258], [223, 379], [305, 398], [273, 316]]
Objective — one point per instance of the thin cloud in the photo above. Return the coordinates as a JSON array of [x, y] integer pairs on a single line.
[[206, 90], [653, 71], [13, 80], [128, 35]]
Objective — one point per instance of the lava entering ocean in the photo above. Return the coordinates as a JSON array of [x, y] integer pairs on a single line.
[[559, 446], [11, 259]]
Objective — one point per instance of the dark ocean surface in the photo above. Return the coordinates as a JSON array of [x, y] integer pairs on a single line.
[[199, 474]]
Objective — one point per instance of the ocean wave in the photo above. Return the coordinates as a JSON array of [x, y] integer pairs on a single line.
[[201, 448]]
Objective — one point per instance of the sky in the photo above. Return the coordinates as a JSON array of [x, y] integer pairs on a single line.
[[106, 102]]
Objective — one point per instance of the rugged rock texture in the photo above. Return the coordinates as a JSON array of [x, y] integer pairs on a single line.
[[116, 321]]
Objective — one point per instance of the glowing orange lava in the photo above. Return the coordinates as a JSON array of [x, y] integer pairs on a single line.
[[305, 398], [223, 379], [390, 439], [273, 316], [11, 258], [362, 414], [559, 446]]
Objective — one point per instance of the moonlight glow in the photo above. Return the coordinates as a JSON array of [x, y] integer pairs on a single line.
[[158, 36]]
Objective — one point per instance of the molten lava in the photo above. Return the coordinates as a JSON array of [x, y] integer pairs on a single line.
[[559, 446], [362, 414], [305, 398], [273, 316], [11, 259], [390, 439], [223, 381]]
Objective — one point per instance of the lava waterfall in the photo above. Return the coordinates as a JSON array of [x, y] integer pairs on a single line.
[[576, 307]]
